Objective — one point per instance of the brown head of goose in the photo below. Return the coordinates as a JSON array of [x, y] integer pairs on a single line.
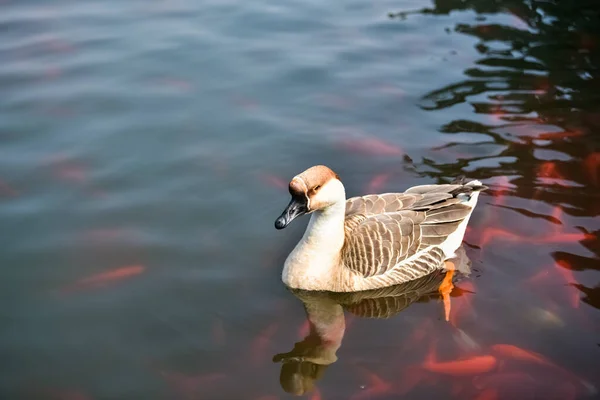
[[372, 241]]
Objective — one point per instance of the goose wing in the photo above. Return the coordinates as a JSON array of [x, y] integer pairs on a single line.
[[396, 236]]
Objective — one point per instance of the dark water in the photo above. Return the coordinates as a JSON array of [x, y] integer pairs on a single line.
[[146, 147]]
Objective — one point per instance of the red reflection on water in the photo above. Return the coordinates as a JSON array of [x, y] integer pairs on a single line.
[[560, 135]]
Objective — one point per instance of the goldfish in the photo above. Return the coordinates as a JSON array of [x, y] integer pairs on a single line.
[[465, 367], [109, 276], [274, 181], [502, 379], [377, 183], [592, 165], [6, 189], [371, 146], [548, 169], [488, 394], [470, 366], [316, 395], [517, 353]]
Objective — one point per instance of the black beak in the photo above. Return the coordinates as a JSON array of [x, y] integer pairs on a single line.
[[296, 208]]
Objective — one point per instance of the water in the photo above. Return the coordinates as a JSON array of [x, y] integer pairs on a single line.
[[151, 142]]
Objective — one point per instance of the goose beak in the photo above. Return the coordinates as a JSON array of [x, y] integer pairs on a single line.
[[295, 209]]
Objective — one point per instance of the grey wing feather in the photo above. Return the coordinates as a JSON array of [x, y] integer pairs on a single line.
[[383, 231]]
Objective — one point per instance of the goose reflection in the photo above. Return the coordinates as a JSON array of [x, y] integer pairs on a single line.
[[307, 362]]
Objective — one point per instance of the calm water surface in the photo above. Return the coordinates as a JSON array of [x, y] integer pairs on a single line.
[[146, 147]]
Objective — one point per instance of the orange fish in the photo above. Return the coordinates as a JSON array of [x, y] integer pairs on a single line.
[[446, 288], [377, 183], [502, 379], [108, 277], [178, 84], [275, 181], [592, 164], [548, 169], [489, 233], [260, 344], [371, 146], [517, 353], [7, 190], [488, 394], [470, 366], [316, 395], [65, 168], [245, 103]]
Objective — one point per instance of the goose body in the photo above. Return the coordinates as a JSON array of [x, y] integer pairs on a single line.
[[373, 241]]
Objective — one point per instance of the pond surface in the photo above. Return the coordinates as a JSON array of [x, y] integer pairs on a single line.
[[146, 151]]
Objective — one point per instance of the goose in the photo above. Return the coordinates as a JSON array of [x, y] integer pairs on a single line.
[[372, 241]]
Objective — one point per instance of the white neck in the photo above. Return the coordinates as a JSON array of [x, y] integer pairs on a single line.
[[314, 263]]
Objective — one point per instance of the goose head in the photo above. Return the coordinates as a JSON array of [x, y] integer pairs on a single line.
[[315, 189]]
